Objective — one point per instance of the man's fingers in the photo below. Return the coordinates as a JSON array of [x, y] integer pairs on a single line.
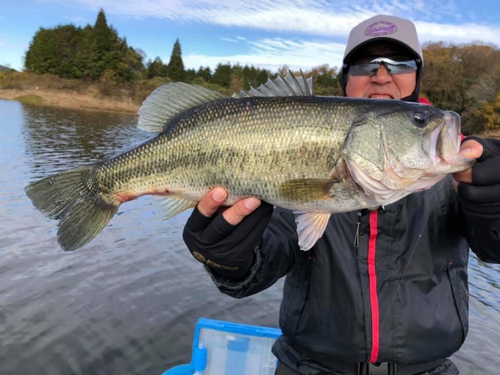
[[464, 176], [235, 214], [471, 149], [212, 201]]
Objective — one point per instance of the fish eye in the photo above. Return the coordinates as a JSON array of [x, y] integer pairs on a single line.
[[421, 119]]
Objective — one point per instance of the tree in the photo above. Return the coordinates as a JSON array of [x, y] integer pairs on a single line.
[[444, 82], [325, 80], [262, 76], [204, 73], [222, 75], [104, 36], [41, 52], [491, 113], [156, 68], [190, 75], [175, 67]]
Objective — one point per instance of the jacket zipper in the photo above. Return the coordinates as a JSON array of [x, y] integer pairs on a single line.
[[356, 236]]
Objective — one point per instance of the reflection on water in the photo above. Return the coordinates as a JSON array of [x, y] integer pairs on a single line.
[[61, 138], [128, 301]]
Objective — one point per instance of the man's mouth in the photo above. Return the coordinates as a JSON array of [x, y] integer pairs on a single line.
[[380, 96]]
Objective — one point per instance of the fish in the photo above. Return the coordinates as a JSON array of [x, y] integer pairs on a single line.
[[314, 155]]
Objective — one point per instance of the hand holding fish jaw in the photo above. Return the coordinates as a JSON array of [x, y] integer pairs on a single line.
[[212, 202], [470, 149]]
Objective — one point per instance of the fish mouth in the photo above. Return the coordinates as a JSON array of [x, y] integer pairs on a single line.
[[445, 146]]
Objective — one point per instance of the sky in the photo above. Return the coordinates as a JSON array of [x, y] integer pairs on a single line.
[[269, 33]]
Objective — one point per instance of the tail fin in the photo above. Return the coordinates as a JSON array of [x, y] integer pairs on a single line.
[[82, 213]]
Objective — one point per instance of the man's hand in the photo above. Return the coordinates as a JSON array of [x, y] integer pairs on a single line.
[[211, 203], [470, 149], [225, 238], [479, 187]]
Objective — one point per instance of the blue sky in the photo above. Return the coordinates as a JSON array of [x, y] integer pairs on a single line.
[[266, 33]]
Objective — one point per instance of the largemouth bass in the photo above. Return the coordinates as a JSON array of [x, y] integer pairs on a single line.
[[280, 143]]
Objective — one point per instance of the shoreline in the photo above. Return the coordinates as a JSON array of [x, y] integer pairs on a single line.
[[70, 99], [91, 100]]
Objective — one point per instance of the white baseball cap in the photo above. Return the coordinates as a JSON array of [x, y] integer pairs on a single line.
[[396, 30], [382, 27]]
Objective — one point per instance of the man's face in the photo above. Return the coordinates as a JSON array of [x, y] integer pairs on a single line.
[[381, 85]]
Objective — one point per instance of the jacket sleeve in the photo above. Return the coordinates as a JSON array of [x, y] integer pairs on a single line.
[[480, 203], [274, 258]]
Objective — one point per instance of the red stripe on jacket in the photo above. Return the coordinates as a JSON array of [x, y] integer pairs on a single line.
[[372, 277]]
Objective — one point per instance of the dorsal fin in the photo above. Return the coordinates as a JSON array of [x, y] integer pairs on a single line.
[[282, 86], [171, 99]]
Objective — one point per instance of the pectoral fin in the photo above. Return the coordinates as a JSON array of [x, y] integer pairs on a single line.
[[310, 227], [307, 190]]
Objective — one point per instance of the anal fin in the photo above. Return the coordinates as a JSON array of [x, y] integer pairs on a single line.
[[310, 227], [174, 205]]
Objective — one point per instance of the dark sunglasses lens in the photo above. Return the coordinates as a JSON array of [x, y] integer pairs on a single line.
[[393, 67], [364, 69]]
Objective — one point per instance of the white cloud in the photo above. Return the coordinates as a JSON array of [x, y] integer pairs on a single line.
[[308, 17], [463, 33], [274, 53], [231, 40]]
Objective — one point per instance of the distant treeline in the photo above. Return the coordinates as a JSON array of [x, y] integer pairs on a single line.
[[92, 52], [98, 53], [465, 78]]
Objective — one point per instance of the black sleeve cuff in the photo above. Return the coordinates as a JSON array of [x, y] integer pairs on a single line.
[[225, 284]]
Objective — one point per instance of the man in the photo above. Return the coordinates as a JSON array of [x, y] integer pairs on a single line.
[[385, 286]]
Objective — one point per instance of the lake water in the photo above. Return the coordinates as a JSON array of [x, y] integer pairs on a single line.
[[127, 302]]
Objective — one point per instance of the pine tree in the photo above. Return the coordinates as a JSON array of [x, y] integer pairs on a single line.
[[103, 34], [155, 68], [175, 67], [41, 52], [222, 75]]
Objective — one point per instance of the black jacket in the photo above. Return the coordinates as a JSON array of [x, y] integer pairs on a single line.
[[395, 292]]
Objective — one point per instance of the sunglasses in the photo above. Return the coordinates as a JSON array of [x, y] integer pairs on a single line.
[[394, 65]]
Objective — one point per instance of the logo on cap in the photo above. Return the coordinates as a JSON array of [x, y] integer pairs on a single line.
[[381, 28]]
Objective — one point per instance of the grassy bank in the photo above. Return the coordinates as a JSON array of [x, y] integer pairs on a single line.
[[71, 93]]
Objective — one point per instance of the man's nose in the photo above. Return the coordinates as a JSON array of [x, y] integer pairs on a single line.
[[382, 76]]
